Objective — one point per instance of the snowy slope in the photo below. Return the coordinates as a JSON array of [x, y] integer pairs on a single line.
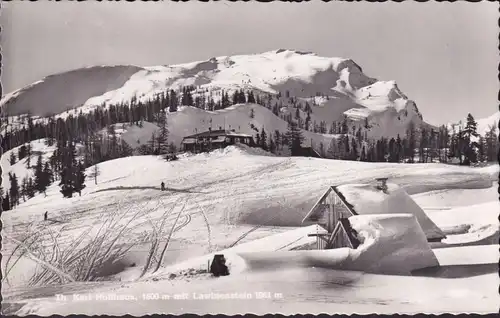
[[300, 75], [57, 93], [234, 198], [20, 168], [189, 120], [133, 135]]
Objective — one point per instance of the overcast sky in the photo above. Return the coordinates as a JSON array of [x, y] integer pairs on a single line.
[[442, 55]]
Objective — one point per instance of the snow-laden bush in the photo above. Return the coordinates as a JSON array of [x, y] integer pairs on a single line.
[[87, 257]]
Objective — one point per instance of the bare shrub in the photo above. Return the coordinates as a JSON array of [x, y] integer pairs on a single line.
[[83, 259]]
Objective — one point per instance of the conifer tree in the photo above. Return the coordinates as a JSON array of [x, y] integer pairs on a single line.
[[40, 182], [322, 150], [79, 178], [295, 138], [12, 158], [333, 150], [47, 174], [491, 140], [272, 145], [392, 151], [173, 102], [69, 171], [308, 121], [24, 189], [30, 188], [354, 151], [28, 154], [470, 147], [251, 98], [277, 139], [162, 139], [6, 203], [481, 149], [341, 147], [14, 189], [423, 145], [21, 154], [363, 155], [151, 145], [411, 137], [344, 128], [333, 128], [263, 139], [236, 97]]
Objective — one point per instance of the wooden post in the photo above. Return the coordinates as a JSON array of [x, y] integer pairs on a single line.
[[328, 226], [331, 216]]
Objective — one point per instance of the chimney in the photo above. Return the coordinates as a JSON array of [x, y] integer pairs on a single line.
[[382, 184]]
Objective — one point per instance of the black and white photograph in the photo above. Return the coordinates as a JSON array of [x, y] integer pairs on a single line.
[[231, 157]]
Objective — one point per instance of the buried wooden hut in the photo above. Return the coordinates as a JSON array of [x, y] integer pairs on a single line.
[[338, 203]]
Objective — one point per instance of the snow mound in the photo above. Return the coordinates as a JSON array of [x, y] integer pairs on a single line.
[[368, 199], [479, 222], [244, 149], [391, 244]]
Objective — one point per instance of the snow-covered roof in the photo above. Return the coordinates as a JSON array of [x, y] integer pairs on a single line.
[[232, 133], [216, 133], [189, 141], [369, 199]]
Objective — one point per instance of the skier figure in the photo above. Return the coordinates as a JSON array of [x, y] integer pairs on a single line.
[[162, 186], [45, 215]]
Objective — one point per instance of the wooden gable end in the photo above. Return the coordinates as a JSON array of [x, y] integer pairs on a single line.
[[343, 236], [328, 210]]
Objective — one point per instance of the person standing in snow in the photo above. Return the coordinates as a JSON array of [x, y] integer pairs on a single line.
[[162, 186], [46, 215]]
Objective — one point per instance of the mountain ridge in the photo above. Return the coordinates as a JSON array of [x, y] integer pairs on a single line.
[[336, 87]]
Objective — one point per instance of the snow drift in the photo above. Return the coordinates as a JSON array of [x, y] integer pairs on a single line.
[[368, 199], [391, 244]]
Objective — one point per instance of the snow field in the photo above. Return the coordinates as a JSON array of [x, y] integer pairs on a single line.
[[240, 193]]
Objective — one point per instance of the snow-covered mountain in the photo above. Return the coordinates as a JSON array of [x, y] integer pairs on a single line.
[[334, 87], [485, 124], [57, 93]]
